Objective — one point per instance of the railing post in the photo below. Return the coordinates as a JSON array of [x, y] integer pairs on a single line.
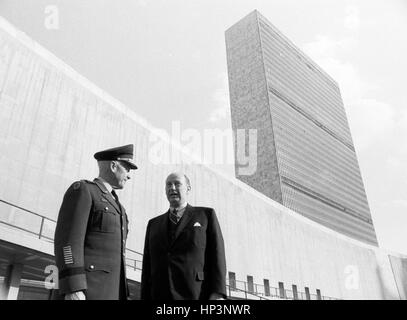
[[42, 225], [245, 290]]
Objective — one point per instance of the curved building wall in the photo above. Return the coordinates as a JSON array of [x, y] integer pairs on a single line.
[[53, 120]]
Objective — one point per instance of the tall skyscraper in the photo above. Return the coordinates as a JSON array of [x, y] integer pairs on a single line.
[[306, 158]]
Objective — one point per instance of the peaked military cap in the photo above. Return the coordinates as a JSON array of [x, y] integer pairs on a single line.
[[123, 153]]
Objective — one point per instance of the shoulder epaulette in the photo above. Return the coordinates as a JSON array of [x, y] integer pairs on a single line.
[[77, 184], [87, 181]]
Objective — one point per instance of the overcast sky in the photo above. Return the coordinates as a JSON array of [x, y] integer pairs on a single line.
[[166, 59]]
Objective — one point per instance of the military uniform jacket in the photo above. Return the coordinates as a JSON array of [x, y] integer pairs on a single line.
[[90, 242], [188, 266]]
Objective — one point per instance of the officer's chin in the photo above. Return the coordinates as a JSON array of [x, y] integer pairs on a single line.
[[120, 186]]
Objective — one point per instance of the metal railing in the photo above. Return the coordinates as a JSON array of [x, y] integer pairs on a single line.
[[270, 292], [37, 224], [134, 260], [44, 228], [246, 293], [255, 289]]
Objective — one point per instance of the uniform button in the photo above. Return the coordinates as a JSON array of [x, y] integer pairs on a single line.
[[91, 267], [106, 208]]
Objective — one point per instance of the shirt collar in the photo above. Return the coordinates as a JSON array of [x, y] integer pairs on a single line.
[[180, 210], [106, 184]]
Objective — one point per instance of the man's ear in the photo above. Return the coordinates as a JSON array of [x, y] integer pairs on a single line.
[[188, 188], [113, 166]]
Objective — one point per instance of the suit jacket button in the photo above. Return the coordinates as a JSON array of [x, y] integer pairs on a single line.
[[91, 267], [106, 208]]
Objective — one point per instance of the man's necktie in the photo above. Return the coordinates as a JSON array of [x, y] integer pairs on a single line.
[[173, 216], [116, 197]]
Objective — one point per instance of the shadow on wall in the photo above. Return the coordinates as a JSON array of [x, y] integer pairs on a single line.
[[385, 293], [399, 269], [403, 283], [399, 274]]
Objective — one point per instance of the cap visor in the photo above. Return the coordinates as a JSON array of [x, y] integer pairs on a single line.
[[131, 164]]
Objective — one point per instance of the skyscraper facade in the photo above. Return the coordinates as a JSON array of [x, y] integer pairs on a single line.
[[306, 158]]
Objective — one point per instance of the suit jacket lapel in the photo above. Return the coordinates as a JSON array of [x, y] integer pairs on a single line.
[[107, 195], [184, 221]]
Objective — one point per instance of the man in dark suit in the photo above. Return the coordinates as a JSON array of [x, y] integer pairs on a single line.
[[184, 256], [91, 232]]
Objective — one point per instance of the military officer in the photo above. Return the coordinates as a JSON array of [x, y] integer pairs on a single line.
[[91, 231]]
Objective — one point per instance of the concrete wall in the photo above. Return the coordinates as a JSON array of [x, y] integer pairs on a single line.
[[53, 120]]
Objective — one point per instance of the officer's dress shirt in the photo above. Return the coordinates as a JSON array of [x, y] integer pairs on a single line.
[[106, 184]]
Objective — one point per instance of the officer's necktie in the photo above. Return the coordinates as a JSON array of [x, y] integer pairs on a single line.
[[116, 197], [173, 216]]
